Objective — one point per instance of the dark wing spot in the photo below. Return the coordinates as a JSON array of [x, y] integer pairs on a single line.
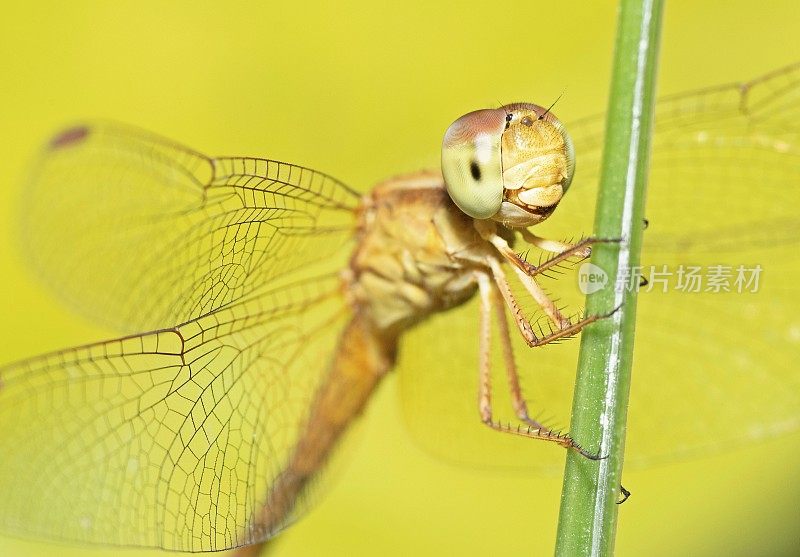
[[475, 170], [527, 121], [69, 137]]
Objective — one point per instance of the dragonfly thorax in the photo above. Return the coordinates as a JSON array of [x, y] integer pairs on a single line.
[[404, 267]]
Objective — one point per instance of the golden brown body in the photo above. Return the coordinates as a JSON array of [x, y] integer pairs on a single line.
[[233, 374], [225, 426], [425, 269], [416, 254]]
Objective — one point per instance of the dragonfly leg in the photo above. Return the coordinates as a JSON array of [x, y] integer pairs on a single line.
[[531, 431], [565, 328], [484, 350], [571, 329], [517, 398], [581, 248], [533, 288], [501, 282], [563, 251]]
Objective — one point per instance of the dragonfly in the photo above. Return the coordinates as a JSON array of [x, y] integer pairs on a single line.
[[274, 298]]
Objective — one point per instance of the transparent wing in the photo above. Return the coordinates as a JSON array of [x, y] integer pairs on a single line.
[[712, 369], [172, 438], [158, 234]]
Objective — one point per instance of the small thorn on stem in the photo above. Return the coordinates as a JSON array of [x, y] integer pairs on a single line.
[[625, 494]]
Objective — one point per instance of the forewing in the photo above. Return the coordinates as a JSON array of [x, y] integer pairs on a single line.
[[139, 233], [713, 368], [172, 438]]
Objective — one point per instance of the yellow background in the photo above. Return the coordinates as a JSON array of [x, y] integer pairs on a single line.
[[364, 91]]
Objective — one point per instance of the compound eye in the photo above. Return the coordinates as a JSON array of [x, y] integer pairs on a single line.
[[472, 162]]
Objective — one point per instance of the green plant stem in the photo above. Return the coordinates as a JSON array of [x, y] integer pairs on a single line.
[[588, 517]]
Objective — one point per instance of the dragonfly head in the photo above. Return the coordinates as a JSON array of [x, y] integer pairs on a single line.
[[511, 164]]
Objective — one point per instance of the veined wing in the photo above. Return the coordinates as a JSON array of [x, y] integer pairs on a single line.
[[169, 439], [713, 368], [172, 438], [140, 233]]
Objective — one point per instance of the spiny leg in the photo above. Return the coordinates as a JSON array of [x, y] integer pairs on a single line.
[[565, 329], [484, 351], [526, 272], [501, 282], [485, 382], [536, 292], [554, 246], [488, 231], [517, 398], [563, 250]]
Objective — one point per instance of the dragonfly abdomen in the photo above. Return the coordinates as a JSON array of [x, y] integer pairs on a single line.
[[412, 259], [363, 356]]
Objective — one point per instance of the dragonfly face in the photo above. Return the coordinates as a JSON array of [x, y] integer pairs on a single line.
[[512, 164]]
